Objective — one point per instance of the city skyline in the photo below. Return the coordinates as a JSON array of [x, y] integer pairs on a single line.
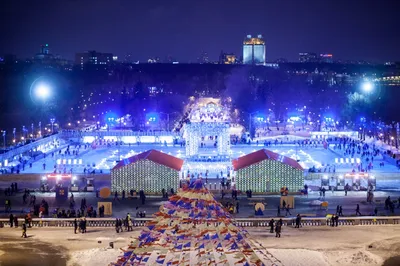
[[350, 31]]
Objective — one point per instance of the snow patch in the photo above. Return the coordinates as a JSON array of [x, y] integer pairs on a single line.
[[299, 257], [93, 257]]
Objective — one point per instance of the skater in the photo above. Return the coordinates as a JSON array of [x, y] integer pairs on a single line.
[[279, 211], [358, 210], [75, 225]]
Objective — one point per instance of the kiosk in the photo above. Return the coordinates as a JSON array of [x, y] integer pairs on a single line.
[[333, 183], [89, 184], [54, 181], [74, 185], [340, 183], [371, 182], [325, 182], [357, 181]]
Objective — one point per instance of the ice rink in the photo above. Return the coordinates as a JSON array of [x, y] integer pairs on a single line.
[[104, 158]]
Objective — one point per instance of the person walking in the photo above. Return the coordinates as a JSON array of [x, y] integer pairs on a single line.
[[75, 225], [117, 225], [333, 220], [16, 221], [116, 195], [337, 209], [24, 230], [298, 221], [340, 211], [271, 225], [336, 220], [278, 228], [358, 210], [11, 220]]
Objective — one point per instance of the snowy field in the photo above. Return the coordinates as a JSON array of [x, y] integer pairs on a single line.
[[310, 246]]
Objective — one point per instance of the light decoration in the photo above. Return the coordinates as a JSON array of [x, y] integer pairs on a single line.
[[144, 175], [194, 132], [269, 176], [201, 168]]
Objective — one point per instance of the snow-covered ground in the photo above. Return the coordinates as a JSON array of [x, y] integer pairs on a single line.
[[309, 246]]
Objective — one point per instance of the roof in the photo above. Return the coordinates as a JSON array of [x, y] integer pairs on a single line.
[[155, 156], [261, 155]]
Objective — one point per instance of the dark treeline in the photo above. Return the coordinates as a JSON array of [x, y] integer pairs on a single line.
[[323, 88]]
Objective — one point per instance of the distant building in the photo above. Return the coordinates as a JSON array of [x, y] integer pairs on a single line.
[[308, 57], [203, 58], [230, 59], [254, 50], [93, 58], [227, 58], [315, 58], [45, 49], [326, 58]]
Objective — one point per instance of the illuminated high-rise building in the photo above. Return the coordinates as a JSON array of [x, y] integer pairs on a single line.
[[254, 50]]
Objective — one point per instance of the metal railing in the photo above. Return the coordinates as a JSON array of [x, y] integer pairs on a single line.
[[243, 222], [28, 147], [116, 133]]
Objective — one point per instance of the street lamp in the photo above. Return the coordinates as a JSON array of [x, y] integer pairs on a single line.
[[52, 120], [367, 87], [40, 128], [250, 119], [167, 114], [4, 140], [41, 90]]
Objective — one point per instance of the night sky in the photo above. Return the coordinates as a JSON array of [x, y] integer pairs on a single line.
[[349, 29]]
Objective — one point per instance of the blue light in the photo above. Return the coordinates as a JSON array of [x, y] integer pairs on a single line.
[[111, 117], [152, 117]]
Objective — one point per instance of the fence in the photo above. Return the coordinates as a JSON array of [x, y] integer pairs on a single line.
[[28, 147], [243, 222], [115, 133]]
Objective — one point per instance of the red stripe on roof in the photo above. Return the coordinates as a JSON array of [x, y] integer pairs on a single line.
[[155, 156], [261, 155]]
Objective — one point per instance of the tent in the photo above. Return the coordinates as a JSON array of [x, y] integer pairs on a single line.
[[192, 228]]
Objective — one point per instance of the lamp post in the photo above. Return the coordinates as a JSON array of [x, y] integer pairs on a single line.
[[23, 131], [33, 133], [167, 114], [4, 140], [14, 131], [40, 128], [250, 119], [52, 120]]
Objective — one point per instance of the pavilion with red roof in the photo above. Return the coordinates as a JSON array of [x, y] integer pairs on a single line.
[[150, 171], [267, 171]]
